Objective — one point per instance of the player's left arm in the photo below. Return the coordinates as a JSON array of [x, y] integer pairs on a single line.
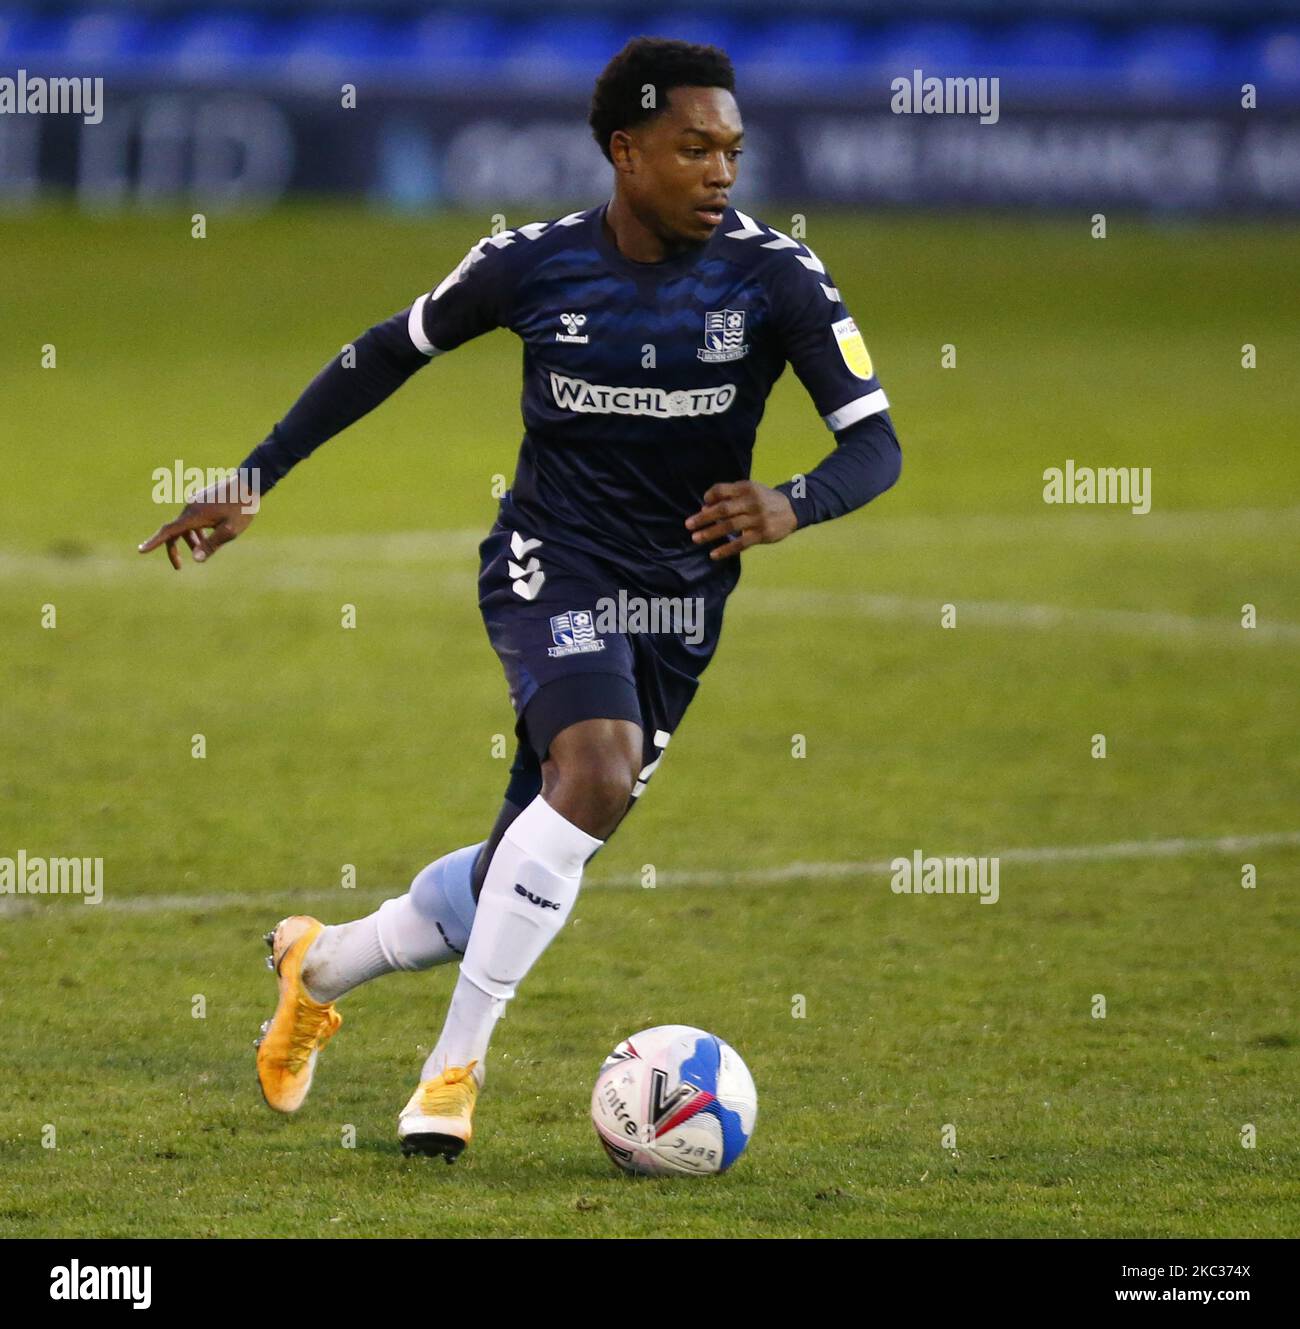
[[822, 342]]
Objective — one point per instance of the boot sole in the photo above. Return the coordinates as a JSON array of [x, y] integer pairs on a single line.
[[433, 1146]]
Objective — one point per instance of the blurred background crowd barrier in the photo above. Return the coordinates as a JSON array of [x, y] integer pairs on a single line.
[[1176, 105]]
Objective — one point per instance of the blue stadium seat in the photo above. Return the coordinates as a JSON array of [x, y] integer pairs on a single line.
[[1270, 58], [450, 43], [1046, 53], [1171, 60], [703, 29], [562, 47], [478, 47], [218, 45], [104, 39], [32, 40], [798, 52], [941, 49], [338, 47]]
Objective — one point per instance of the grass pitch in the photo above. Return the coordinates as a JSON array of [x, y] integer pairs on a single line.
[[373, 747]]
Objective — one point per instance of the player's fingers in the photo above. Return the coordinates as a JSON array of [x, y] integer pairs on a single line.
[[218, 536], [173, 553], [727, 489], [730, 548], [168, 531], [741, 522], [198, 545], [727, 507]]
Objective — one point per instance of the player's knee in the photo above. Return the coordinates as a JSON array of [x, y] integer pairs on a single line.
[[592, 776], [595, 796], [608, 788]]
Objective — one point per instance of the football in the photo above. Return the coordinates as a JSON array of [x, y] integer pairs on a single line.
[[672, 1101]]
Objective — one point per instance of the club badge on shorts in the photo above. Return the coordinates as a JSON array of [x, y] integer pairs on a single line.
[[573, 633]]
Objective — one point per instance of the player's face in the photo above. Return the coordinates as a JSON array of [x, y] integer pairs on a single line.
[[685, 164]]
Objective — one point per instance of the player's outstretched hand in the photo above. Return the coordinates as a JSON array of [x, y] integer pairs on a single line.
[[746, 511], [206, 523]]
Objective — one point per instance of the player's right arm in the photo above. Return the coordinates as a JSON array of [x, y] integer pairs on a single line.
[[469, 301]]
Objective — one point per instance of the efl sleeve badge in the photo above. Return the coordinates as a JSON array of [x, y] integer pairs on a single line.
[[852, 348]]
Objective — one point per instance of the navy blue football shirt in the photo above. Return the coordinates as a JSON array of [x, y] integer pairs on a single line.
[[644, 383]]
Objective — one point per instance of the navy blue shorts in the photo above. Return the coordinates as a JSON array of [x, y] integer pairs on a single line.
[[552, 616]]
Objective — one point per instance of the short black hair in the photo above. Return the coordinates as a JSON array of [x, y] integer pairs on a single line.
[[657, 62]]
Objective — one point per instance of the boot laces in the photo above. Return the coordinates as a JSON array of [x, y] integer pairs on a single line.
[[312, 1029], [446, 1096]]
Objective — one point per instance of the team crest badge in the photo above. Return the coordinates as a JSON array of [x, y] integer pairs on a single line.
[[724, 335], [573, 633]]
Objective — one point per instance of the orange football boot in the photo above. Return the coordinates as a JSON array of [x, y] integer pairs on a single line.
[[293, 1037], [439, 1117]]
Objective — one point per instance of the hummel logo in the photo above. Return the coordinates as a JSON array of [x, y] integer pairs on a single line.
[[536, 899], [573, 323], [528, 578]]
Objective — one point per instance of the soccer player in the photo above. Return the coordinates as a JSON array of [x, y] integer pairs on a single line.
[[654, 326]]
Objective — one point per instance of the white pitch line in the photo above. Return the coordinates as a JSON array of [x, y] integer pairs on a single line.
[[874, 529], [1181, 847], [456, 544], [387, 566], [1050, 854], [1011, 614], [1067, 524]]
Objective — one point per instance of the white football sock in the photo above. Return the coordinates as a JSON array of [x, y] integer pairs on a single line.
[[532, 883], [427, 926]]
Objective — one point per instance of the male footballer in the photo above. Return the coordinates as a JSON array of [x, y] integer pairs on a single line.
[[654, 326]]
